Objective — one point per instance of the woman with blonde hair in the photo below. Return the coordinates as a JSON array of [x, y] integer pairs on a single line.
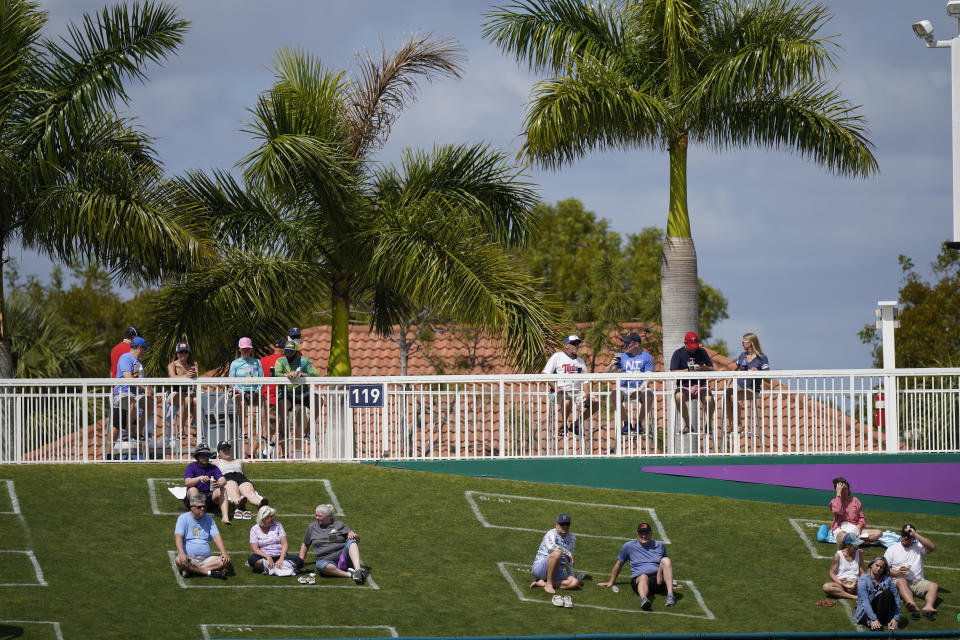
[[268, 542], [751, 359]]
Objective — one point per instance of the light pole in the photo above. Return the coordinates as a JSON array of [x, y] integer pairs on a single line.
[[888, 319], [924, 29]]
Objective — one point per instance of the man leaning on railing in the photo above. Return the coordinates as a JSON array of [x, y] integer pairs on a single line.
[[133, 399]]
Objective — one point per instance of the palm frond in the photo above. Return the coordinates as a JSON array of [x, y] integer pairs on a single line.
[[450, 266], [598, 109], [812, 121], [242, 294], [20, 24], [550, 35], [387, 85], [84, 76], [43, 345], [672, 28], [762, 48], [474, 179], [124, 214]]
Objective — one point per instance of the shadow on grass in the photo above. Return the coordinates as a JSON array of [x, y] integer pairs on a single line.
[[7, 632]]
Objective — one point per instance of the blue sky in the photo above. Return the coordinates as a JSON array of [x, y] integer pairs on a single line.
[[801, 255]]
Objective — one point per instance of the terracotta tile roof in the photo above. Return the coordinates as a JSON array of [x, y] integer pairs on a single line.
[[449, 351]]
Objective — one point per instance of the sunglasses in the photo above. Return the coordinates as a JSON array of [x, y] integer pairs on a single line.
[[198, 506]]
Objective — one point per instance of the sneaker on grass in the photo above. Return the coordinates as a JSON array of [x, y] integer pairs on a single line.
[[557, 600], [238, 514], [184, 573], [645, 604], [671, 600], [218, 574], [568, 602]]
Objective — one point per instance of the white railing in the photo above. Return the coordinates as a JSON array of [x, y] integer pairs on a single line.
[[471, 417]]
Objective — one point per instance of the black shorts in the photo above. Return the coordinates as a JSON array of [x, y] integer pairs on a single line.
[[236, 476], [186, 389], [297, 395], [651, 580]]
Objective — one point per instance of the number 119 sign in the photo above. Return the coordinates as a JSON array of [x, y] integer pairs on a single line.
[[366, 395]]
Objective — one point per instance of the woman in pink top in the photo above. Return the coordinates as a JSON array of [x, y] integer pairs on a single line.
[[848, 515]]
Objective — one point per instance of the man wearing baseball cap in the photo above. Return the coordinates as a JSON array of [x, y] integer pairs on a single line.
[[553, 564], [650, 568], [571, 394], [692, 357], [906, 569], [134, 400], [635, 394]]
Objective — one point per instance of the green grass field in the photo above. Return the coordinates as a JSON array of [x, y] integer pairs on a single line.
[[104, 552]]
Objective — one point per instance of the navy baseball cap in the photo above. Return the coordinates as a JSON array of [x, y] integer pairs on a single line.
[[563, 518]]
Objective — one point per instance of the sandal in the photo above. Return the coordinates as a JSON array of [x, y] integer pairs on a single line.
[[914, 615], [825, 603], [929, 615]]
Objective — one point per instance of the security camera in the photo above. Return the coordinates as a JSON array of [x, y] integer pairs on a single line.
[[953, 9], [924, 28]]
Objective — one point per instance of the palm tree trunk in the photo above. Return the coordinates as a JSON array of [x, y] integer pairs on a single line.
[[6, 348], [338, 365], [678, 262]]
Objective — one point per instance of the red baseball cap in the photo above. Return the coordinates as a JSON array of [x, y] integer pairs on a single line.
[[692, 339]]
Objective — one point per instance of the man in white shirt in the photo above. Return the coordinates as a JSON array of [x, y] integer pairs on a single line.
[[553, 564], [906, 569], [570, 393]]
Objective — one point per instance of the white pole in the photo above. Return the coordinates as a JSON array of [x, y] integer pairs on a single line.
[[889, 322], [955, 108]]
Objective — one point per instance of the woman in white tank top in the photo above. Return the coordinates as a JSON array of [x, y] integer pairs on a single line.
[[846, 568]]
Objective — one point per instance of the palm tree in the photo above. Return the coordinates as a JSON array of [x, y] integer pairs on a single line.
[[317, 224], [664, 73], [76, 181]]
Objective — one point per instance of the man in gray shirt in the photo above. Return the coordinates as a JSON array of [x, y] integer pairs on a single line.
[[335, 547]]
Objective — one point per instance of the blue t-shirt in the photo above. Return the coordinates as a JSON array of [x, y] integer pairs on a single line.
[[680, 359], [131, 365], [643, 560], [639, 363], [759, 363], [249, 368], [197, 534]]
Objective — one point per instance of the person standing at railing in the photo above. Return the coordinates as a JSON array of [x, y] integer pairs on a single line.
[[571, 394], [183, 397], [295, 395], [121, 348], [692, 357], [269, 391], [635, 394], [752, 359], [246, 397], [135, 400]]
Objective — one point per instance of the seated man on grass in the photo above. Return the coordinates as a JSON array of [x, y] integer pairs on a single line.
[[906, 570], [335, 547], [650, 567], [192, 535], [553, 564]]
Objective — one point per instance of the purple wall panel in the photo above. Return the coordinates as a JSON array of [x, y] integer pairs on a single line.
[[920, 481]]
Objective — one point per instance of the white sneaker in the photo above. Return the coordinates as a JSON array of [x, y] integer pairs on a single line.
[[557, 600], [246, 515], [568, 602], [238, 515]]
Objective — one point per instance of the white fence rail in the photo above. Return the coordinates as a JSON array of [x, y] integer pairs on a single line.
[[470, 417]]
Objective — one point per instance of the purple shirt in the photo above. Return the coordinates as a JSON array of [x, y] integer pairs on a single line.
[[194, 470], [268, 541]]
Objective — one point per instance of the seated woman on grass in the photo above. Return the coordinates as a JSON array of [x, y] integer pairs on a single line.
[[846, 569], [238, 487], [268, 542], [878, 602]]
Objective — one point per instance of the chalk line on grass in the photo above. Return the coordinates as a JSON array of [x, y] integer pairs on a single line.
[[205, 628], [691, 589], [55, 625], [845, 603], [36, 570], [155, 503], [203, 582], [476, 511], [804, 525]]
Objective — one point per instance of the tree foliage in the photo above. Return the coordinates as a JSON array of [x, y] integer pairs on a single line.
[[929, 334], [316, 224], [78, 182]]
